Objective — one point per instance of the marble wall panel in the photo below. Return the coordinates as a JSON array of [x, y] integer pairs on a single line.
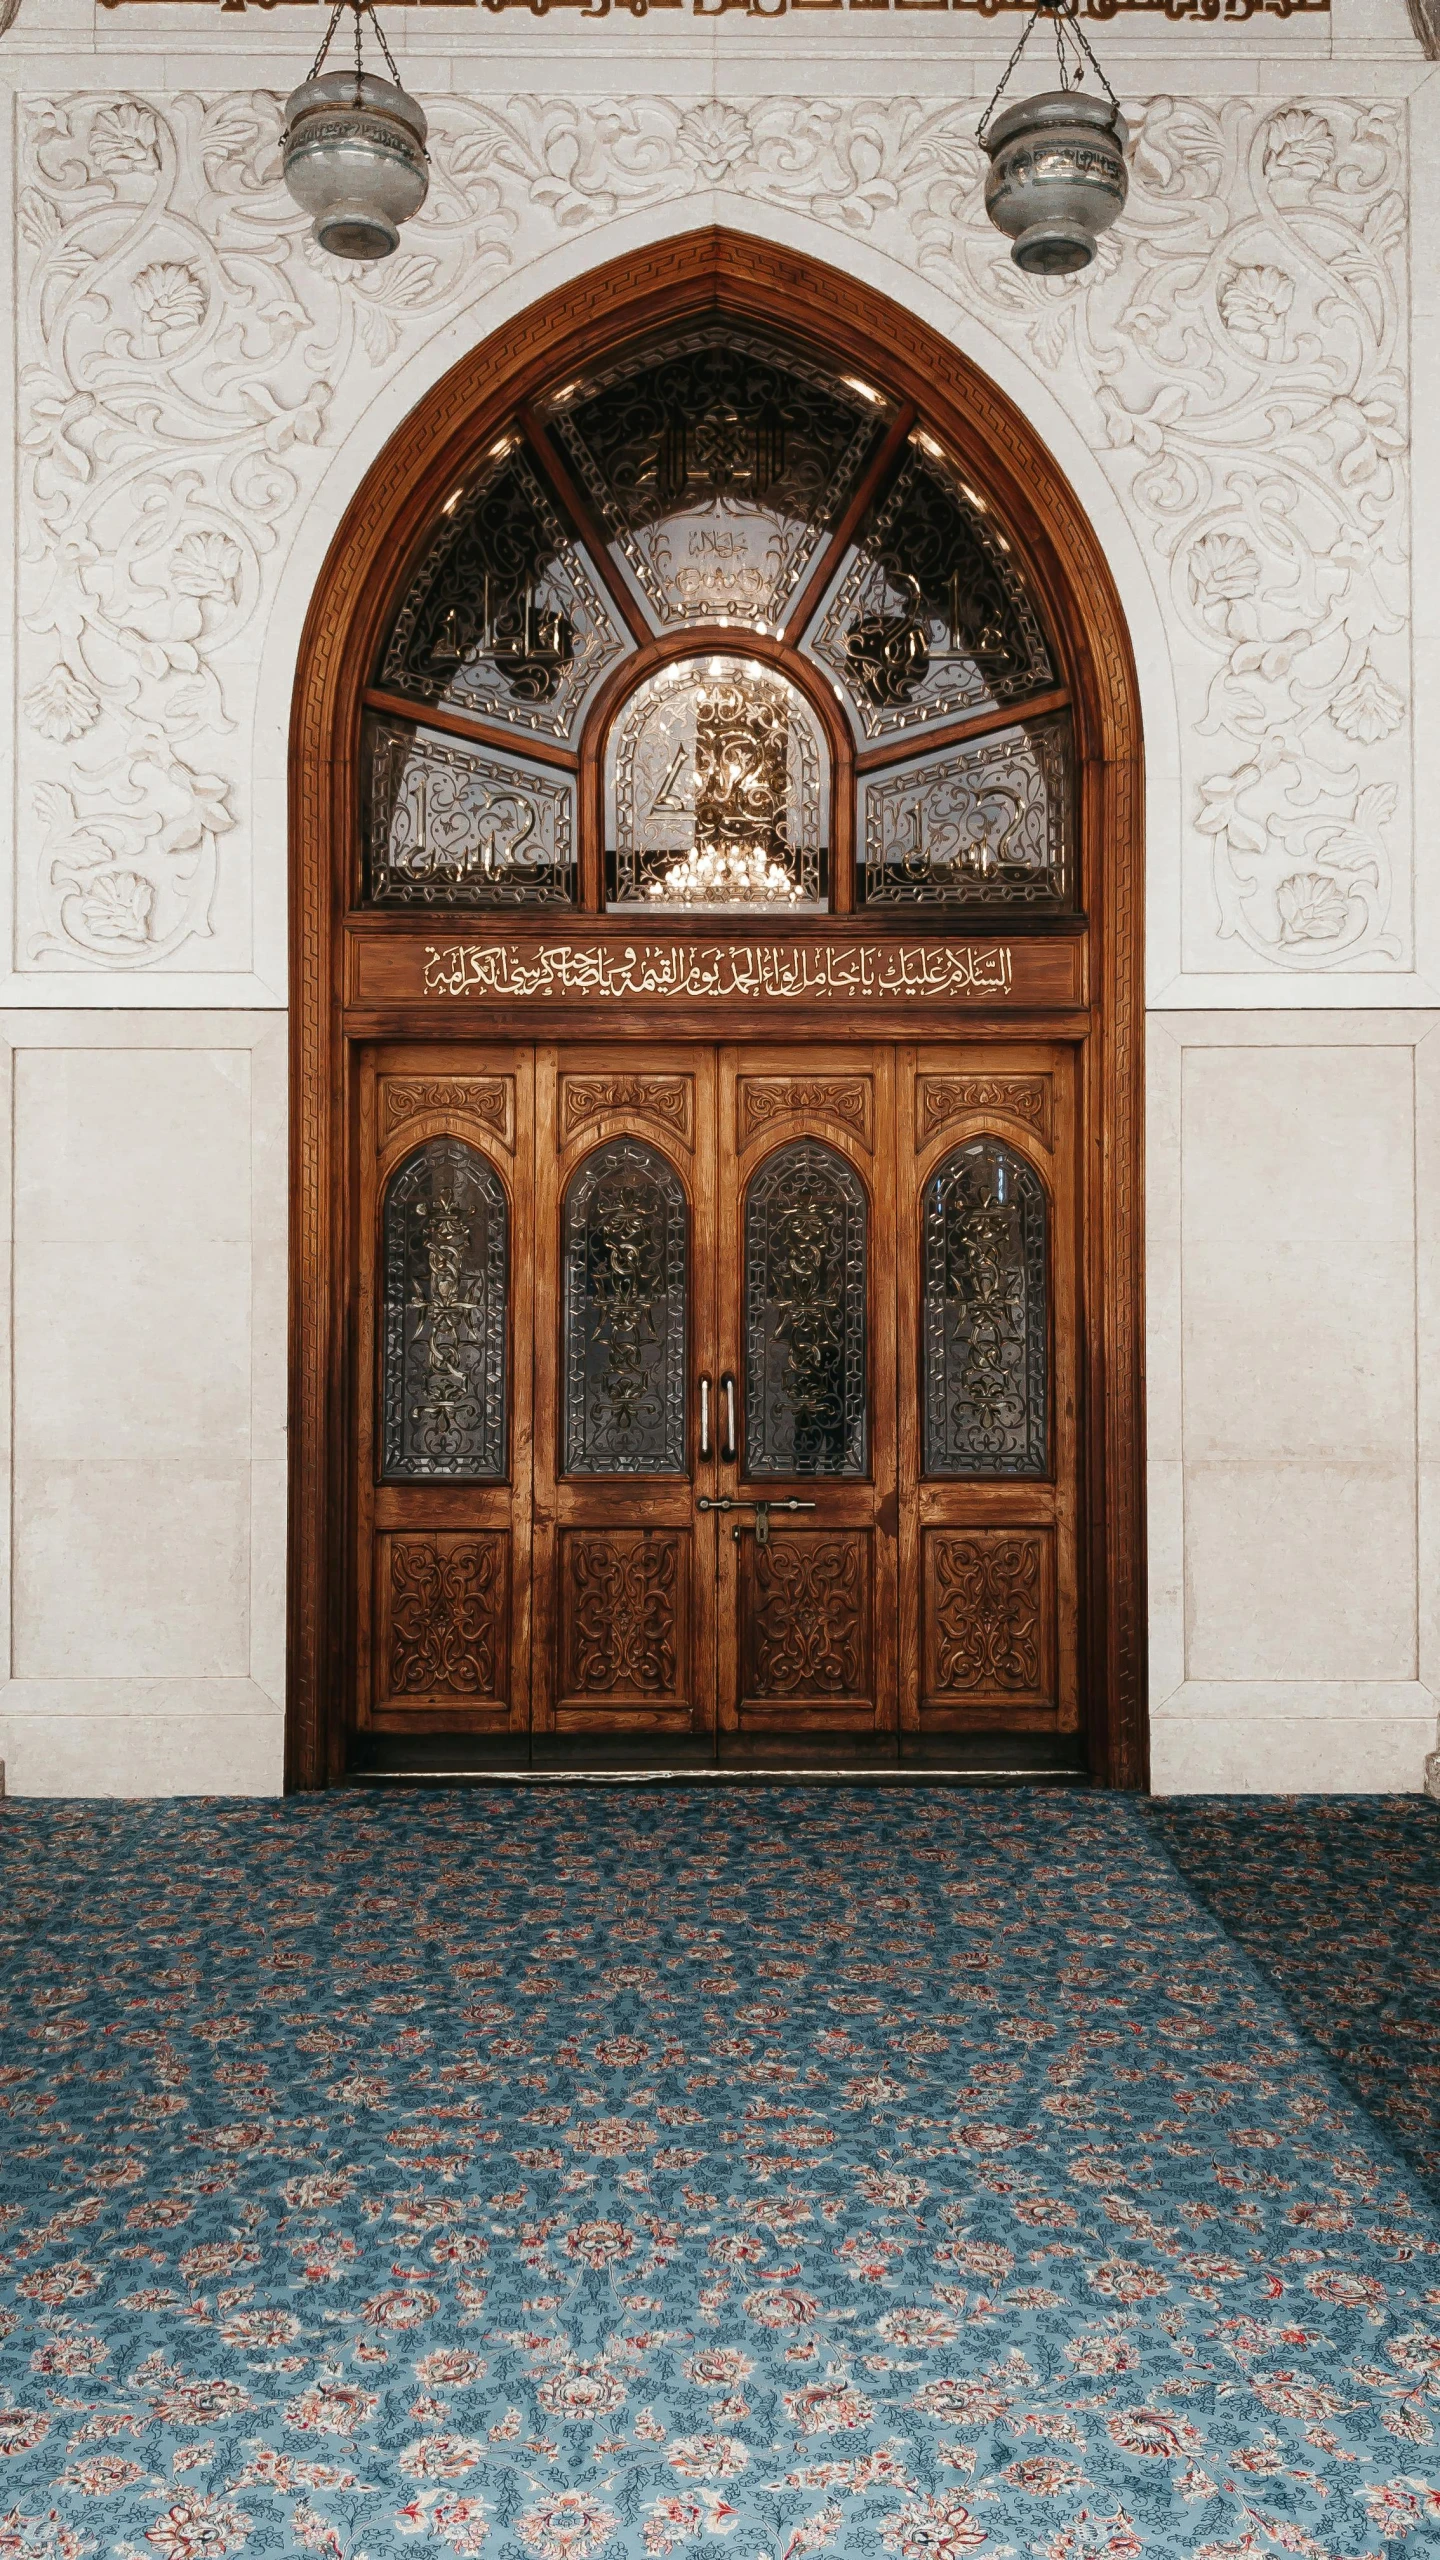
[[146, 1312], [1293, 1190]]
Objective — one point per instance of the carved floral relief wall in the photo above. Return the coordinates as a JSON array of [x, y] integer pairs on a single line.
[[187, 363]]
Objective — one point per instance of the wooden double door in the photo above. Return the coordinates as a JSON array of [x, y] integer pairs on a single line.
[[716, 1400]]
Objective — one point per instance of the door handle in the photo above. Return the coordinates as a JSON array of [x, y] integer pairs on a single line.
[[762, 1511], [728, 1452], [706, 1450]]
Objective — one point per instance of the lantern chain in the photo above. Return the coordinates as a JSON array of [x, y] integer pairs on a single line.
[[362, 9], [1066, 18]]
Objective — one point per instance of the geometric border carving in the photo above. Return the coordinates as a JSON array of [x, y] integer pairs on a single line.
[[489, 1099], [668, 1100], [765, 1099], [939, 1100]]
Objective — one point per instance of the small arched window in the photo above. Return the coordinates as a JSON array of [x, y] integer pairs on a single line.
[[625, 1246], [986, 1318], [446, 1233], [806, 1406], [787, 635]]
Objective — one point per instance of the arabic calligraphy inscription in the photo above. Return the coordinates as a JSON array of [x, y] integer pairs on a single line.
[[782, 971]]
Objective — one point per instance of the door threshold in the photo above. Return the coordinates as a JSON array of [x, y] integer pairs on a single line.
[[733, 1774]]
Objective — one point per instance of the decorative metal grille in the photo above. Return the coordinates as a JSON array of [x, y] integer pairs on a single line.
[[504, 617], [717, 466], [985, 825], [717, 790], [986, 1327], [805, 1278], [930, 620], [448, 825], [625, 1249], [446, 1234]]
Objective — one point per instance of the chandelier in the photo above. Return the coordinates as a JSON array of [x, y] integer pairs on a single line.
[[1057, 161], [726, 874], [354, 149]]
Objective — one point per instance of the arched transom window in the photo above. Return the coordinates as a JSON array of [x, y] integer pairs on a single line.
[[718, 628]]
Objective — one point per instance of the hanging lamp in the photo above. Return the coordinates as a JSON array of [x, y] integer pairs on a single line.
[[354, 149], [1057, 161]]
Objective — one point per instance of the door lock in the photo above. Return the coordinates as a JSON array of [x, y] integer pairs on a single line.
[[762, 1511]]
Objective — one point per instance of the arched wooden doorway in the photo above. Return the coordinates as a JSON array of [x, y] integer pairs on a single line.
[[716, 983]]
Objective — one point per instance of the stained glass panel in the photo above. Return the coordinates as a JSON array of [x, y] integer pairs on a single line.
[[625, 1252], [930, 619], [446, 1289], [986, 1329], [805, 1277], [717, 467], [449, 825], [717, 790], [504, 616], [984, 825]]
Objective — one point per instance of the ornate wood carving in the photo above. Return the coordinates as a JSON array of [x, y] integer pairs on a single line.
[[444, 1616], [489, 1099], [765, 1099], [808, 1604], [622, 1608], [706, 271], [988, 1608], [667, 1100], [940, 1100]]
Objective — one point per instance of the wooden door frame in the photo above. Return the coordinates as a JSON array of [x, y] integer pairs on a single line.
[[705, 272]]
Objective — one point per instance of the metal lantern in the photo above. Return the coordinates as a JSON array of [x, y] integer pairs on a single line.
[[354, 150], [1057, 161]]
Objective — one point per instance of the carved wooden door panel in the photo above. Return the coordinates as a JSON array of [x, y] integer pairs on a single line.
[[807, 1560], [624, 1560], [443, 1374], [989, 1486]]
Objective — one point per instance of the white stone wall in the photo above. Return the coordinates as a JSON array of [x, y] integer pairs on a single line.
[[197, 393]]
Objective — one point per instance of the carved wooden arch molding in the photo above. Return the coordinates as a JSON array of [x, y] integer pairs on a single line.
[[706, 271]]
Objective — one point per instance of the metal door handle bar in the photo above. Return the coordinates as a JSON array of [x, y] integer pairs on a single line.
[[727, 1446], [762, 1511], [705, 1450]]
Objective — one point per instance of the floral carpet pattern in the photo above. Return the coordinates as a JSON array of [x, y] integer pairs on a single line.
[[575, 2178], [1295, 1880]]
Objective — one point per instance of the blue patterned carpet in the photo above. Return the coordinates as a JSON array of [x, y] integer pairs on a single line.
[[1337, 1898], [554, 2177]]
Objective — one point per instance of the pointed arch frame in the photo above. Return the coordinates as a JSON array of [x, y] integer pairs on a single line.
[[707, 272]]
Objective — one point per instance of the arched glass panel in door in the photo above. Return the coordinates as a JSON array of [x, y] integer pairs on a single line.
[[625, 1248], [986, 1319], [805, 1285], [446, 1230]]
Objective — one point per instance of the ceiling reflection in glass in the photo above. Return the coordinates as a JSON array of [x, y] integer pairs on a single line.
[[505, 617], [930, 620], [717, 466], [985, 824]]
